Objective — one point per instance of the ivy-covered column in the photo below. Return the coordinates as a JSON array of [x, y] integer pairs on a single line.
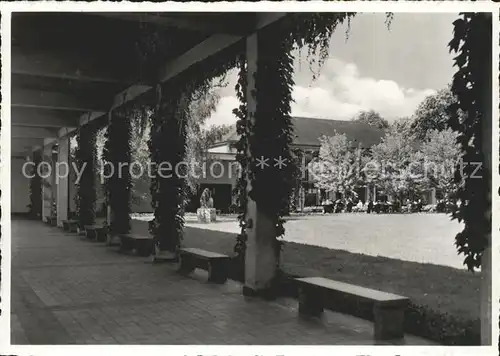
[[46, 173], [270, 166], [85, 157], [62, 180], [36, 200], [472, 84], [168, 148], [119, 182]]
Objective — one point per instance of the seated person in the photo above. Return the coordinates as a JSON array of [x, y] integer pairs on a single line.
[[370, 207], [419, 206], [440, 206], [339, 206], [328, 206], [349, 206], [396, 207]]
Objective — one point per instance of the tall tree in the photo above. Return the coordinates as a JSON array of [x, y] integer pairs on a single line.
[[200, 138], [140, 130], [441, 153], [433, 113], [372, 118], [338, 167], [392, 160]]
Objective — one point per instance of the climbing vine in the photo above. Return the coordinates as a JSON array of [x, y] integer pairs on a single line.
[[85, 156], [35, 206], [117, 155], [271, 137], [314, 31], [271, 185], [472, 43], [167, 146], [242, 127]]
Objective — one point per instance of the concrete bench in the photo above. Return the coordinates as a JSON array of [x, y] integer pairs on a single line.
[[96, 232], [142, 244], [70, 225], [218, 264], [52, 220], [388, 309]]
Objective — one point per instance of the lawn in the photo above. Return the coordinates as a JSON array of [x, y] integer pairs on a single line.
[[424, 238], [445, 300]]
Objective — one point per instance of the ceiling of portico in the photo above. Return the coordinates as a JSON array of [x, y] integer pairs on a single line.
[[69, 68]]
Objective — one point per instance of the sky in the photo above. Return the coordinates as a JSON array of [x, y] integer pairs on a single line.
[[387, 70]]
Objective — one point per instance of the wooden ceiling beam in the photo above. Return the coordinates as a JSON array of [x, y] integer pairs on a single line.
[[29, 98], [32, 118], [32, 132], [200, 52], [63, 65], [200, 22]]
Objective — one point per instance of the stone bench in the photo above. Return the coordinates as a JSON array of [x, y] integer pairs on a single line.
[[70, 225], [142, 244], [52, 220], [218, 264], [96, 232], [388, 309]]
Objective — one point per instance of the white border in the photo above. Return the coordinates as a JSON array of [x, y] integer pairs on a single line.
[[5, 243], [495, 181], [370, 6], [264, 6]]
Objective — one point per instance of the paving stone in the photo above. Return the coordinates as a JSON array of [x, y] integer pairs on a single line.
[[66, 290]]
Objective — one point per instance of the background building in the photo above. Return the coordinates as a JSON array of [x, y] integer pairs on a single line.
[[307, 132]]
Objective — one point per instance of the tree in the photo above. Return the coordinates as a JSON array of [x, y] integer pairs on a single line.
[[433, 113], [391, 167], [441, 152], [337, 169], [140, 130], [372, 118], [200, 139]]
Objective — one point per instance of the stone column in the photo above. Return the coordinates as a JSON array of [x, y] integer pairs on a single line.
[[62, 180], [72, 188], [47, 174], [260, 259], [86, 189], [118, 188]]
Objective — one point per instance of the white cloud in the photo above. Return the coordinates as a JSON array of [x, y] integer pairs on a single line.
[[223, 115], [339, 93]]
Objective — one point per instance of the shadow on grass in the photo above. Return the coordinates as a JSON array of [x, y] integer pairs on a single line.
[[445, 302]]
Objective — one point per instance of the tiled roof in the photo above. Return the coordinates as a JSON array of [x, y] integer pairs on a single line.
[[307, 131]]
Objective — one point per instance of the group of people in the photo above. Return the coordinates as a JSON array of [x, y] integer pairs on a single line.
[[378, 206], [447, 205]]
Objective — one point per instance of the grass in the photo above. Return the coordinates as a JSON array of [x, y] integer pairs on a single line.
[[445, 301]]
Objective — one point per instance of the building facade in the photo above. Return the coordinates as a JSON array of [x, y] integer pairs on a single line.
[[307, 132]]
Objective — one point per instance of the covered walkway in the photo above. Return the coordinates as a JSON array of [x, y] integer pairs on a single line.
[[71, 291], [98, 72]]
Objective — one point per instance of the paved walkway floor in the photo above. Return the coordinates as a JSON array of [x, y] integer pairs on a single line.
[[66, 290]]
